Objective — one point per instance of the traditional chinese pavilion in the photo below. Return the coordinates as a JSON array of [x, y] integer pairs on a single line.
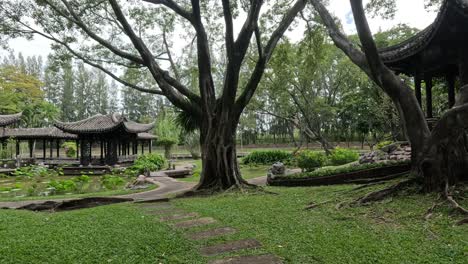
[[6, 120], [440, 50], [116, 135]]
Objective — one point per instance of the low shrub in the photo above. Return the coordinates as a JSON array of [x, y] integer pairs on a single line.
[[112, 182], [341, 156], [70, 149], [62, 186], [267, 157], [148, 162], [310, 160], [383, 144]]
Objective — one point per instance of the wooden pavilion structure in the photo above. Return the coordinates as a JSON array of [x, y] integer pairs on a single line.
[[5, 121], [49, 137], [440, 50], [115, 134]]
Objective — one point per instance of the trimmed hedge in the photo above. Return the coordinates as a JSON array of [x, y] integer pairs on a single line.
[[341, 170], [341, 156], [148, 162], [267, 157], [310, 160]]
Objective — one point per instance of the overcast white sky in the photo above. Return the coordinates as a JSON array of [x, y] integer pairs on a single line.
[[409, 11]]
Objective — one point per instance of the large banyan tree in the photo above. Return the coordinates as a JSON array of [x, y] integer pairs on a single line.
[[111, 34], [439, 156]]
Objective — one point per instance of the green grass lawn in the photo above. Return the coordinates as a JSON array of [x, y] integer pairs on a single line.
[[119, 233], [392, 231]]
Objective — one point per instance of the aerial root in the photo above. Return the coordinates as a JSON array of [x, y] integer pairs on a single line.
[[382, 194]]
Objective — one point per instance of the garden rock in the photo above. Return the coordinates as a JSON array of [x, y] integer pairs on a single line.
[[393, 152], [277, 169]]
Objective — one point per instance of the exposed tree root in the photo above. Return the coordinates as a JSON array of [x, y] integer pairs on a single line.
[[430, 211], [378, 180], [382, 194], [313, 205], [452, 201], [366, 186], [244, 188], [462, 222]]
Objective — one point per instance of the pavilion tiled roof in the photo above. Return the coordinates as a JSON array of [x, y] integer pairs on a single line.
[[418, 42], [102, 124], [36, 133], [6, 120]]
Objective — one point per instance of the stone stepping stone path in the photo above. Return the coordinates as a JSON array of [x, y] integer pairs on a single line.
[[167, 212], [211, 233], [230, 246], [195, 222], [260, 259], [156, 205], [178, 216]]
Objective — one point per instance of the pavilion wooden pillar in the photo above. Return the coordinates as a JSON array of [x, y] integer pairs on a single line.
[[102, 151], [417, 89], [17, 148], [44, 146], [31, 147], [142, 147], [150, 146], [77, 149], [57, 142], [51, 147], [428, 81]]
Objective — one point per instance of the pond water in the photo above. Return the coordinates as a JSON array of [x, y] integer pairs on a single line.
[[50, 183]]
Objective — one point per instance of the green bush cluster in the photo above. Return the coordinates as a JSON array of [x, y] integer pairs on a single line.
[[33, 171], [61, 186], [148, 162], [70, 149], [341, 156], [310, 160], [346, 169], [267, 157], [111, 182]]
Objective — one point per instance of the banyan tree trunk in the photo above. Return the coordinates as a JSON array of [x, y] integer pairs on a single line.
[[445, 157], [220, 169]]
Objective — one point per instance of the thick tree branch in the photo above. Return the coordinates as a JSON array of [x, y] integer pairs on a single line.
[[77, 21], [340, 40], [174, 7], [89, 61], [365, 35], [162, 78], [259, 69], [205, 78], [229, 35], [171, 61]]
